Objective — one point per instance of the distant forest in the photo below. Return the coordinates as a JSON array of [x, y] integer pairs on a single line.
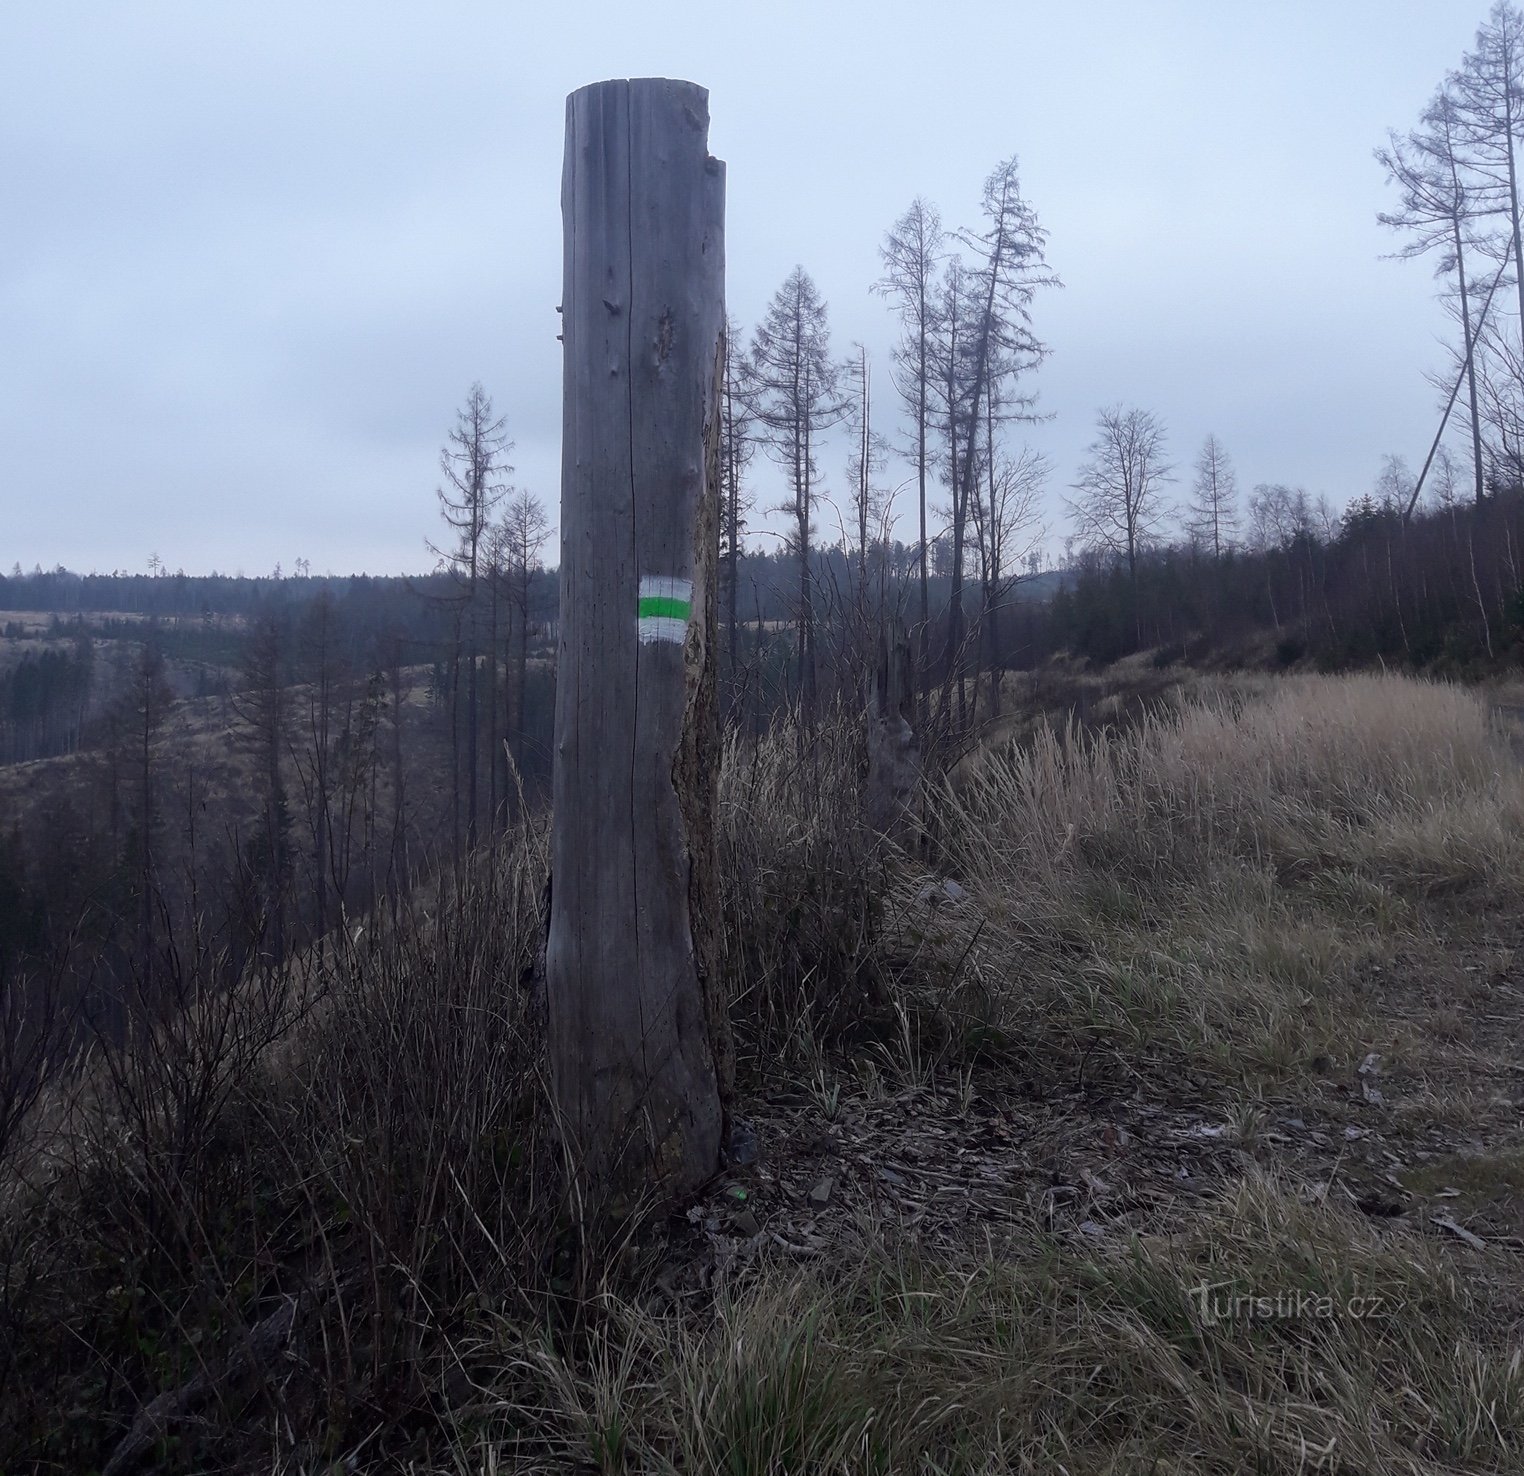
[[331, 717]]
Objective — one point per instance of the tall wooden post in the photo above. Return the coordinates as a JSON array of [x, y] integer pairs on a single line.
[[638, 1049]]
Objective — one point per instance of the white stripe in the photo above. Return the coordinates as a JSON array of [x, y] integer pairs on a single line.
[[660, 587], [661, 628]]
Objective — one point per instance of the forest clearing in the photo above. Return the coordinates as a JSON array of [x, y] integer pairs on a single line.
[[921, 872]]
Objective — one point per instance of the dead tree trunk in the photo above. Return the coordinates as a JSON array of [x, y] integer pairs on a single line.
[[636, 1061]]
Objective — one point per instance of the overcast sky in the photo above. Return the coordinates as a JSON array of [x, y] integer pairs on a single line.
[[252, 256]]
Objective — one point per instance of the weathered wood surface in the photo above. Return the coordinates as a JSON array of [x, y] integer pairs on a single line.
[[627, 961]]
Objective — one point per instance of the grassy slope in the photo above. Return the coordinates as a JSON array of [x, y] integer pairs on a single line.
[[1147, 1146]]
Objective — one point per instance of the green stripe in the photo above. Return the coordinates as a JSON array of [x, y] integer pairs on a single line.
[[662, 605]]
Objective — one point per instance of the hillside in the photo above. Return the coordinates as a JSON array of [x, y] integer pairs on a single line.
[[1160, 1110]]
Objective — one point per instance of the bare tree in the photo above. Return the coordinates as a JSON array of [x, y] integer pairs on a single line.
[[494, 562], [397, 869], [1440, 202], [325, 683], [912, 254], [793, 387], [867, 454], [1007, 268], [525, 532], [1278, 514], [862, 591], [1121, 505], [473, 466], [737, 444], [144, 710], [1279, 518], [1394, 483], [1500, 384], [1006, 518], [1212, 518], [956, 424], [1488, 118], [1444, 481], [1324, 519], [264, 704]]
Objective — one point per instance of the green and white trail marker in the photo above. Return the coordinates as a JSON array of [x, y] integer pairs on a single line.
[[662, 614]]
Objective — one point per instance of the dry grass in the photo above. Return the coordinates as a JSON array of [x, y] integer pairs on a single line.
[[804, 882], [1326, 770], [1233, 899], [1229, 900], [1273, 1336], [1209, 882], [359, 1137]]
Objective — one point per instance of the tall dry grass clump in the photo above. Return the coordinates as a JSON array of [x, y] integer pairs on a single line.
[[1301, 770], [1201, 881], [803, 885]]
